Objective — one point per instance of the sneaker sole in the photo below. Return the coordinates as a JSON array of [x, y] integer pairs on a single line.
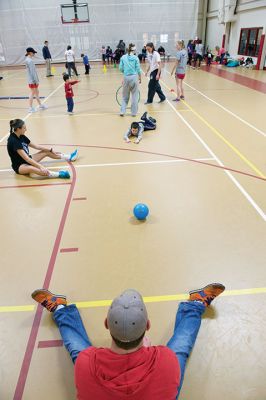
[[74, 157], [215, 285], [48, 292]]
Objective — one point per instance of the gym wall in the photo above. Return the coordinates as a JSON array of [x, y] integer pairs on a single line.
[[34, 21], [249, 14]]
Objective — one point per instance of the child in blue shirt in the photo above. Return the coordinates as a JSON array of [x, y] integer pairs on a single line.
[[86, 63]]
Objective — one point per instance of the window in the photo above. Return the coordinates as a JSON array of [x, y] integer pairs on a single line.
[[249, 42], [2, 57], [164, 38]]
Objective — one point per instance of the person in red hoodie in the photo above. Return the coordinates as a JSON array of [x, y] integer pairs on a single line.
[[69, 93], [130, 369]]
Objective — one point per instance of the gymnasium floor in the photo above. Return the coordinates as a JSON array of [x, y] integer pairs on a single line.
[[202, 174]]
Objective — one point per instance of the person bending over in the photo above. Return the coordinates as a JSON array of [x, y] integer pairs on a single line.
[[129, 369], [137, 128], [23, 163]]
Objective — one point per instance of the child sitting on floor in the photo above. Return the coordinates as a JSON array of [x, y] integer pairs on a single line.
[[137, 128]]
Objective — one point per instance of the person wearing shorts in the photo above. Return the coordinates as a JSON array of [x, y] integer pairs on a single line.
[[23, 163], [180, 69], [33, 80]]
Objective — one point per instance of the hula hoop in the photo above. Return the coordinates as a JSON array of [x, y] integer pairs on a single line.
[[117, 93]]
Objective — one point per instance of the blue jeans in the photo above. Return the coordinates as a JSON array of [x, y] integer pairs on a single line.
[[70, 104], [187, 324], [72, 330]]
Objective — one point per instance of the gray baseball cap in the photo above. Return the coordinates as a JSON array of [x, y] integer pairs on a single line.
[[127, 316]]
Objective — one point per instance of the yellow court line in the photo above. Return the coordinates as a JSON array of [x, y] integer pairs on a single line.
[[16, 308], [214, 130], [149, 299]]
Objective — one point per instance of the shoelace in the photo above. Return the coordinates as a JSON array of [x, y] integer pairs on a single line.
[[209, 299], [49, 305]]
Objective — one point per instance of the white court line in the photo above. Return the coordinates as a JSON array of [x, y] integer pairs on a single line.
[[120, 164], [224, 108], [29, 114], [233, 179], [141, 163]]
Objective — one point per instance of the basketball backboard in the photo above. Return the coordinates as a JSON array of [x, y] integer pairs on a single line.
[[74, 13]]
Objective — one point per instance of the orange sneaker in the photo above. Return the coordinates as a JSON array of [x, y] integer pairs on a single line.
[[48, 300], [207, 294]]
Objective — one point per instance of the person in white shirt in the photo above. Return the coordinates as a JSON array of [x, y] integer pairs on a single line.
[[198, 54], [70, 61], [154, 69]]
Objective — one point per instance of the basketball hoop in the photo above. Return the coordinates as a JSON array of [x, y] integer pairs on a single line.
[[74, 13]]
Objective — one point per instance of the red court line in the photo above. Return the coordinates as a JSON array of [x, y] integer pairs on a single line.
[[162, 154], [37, 318], [237, 171], [44, 344], [237, 78], [69, 250], [38, 185], [79, 198]]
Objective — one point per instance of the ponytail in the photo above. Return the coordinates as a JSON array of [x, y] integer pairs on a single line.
[[16, 124], [131, 48], [181, 43]]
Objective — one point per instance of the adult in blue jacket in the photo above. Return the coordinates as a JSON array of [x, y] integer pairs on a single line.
[[47, 56], [130, 66]]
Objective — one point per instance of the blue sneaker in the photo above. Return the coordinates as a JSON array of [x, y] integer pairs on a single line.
[[64, 175], [73, 156]]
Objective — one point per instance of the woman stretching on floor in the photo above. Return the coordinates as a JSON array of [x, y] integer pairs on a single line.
[[23, 163]]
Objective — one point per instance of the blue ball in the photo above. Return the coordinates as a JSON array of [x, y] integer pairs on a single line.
[[141, 211]]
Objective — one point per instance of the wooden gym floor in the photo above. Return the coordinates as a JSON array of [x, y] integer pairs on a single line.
[[202, 174]]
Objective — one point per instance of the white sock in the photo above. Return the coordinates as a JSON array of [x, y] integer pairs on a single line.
[[53, 174], [65, 156], [59, 307]]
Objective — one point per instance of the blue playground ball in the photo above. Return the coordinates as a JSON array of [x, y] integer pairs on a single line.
[[141, 211]]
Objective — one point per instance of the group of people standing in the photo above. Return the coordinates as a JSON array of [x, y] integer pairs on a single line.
[[130, 67]]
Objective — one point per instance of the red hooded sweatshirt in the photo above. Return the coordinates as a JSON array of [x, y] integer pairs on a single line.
[[150, 373]]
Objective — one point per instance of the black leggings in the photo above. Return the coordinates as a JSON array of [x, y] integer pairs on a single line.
[[154, 87], [71, 65]]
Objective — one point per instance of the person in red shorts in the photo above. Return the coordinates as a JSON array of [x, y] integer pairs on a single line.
[[180, 69], [69, 93], [131, 369], [33, 80]]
